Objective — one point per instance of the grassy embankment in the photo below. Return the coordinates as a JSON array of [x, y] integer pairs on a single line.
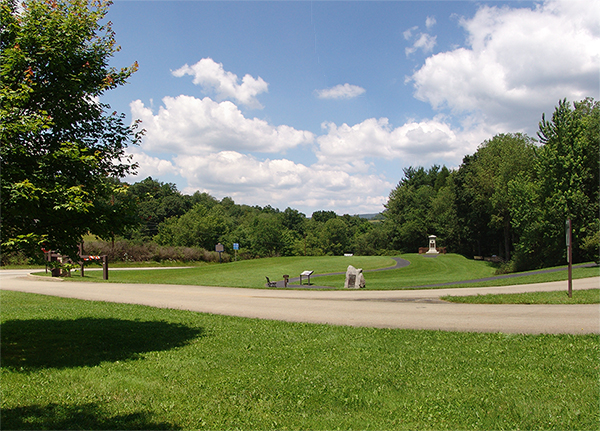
[[71, 364]]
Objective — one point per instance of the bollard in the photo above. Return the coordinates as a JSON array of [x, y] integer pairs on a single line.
[[285, 280], [105, 267]]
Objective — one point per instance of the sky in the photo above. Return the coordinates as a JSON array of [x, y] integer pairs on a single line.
[[321, 105]]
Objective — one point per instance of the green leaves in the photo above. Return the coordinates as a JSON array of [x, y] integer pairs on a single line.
[[59, 148], [564, 185]]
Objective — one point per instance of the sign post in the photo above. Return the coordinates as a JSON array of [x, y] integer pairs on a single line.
[[219, 248], [569, 240], [236, 247]]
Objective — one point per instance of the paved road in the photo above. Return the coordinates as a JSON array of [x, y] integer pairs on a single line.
[[409, 309]]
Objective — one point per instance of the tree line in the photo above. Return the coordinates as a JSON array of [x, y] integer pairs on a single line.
[[170, 218]]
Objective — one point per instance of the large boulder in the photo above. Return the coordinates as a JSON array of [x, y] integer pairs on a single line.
[[354, 278]]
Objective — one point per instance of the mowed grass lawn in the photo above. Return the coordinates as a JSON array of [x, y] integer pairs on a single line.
[[425, 271], [247, 273], [72, 364], [422, 271], [586, 296], [251, 273]]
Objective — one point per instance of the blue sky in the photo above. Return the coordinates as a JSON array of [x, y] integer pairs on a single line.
[[320, 105]]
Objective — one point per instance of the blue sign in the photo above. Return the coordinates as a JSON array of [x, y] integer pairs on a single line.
[[236, 246]]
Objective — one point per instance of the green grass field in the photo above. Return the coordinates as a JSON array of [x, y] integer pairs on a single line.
[[588, 296], [71, 364], [247, 273], [421, 272]]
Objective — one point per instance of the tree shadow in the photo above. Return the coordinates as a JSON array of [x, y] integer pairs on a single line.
[[81, 417], [33, 344]]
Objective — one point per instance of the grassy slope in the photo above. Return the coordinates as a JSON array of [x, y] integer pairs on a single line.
[[247, 273], [422, 271], [69, 364], [448, 268]]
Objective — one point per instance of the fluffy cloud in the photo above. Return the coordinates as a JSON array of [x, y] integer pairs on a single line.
[[188, 126], [345, 91], [281, 182], [207, 144], [150, 166], [517, 62], [215, 79], [413, 142]]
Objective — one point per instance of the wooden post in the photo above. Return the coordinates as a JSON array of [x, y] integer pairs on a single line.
[[570, 257], [105, 267]]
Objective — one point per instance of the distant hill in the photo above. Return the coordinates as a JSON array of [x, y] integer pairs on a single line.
[[375, 216]]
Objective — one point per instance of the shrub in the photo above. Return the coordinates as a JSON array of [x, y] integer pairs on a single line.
[[130, 251]]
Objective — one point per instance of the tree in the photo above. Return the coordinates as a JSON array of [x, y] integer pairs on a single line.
[[268, 236], [409, 208], [335, 236], [157, 201], [323, 216], [59, 147], [199, 227], [565, 185], [497, 162]]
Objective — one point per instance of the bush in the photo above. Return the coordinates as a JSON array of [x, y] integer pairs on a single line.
[[130, 251], [15, 258], [591, 247]]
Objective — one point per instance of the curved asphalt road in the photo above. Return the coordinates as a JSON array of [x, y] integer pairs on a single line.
[[408, 309]]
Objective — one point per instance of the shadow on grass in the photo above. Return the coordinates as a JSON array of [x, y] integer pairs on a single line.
[[85, 416], [33, 344]]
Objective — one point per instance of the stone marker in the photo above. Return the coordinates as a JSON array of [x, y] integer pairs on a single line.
[[432, 245], [354, 278]]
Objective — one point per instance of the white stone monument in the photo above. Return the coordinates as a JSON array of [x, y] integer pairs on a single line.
[[354, 278], [432, 246]]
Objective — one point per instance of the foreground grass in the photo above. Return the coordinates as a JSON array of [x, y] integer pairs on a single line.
[[71, 364], [588, 296]]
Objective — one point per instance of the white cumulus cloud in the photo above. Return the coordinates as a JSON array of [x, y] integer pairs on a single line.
[[225, 85], [345, 91], [412, 143], [518, 63], [188, 126], [282, 182]]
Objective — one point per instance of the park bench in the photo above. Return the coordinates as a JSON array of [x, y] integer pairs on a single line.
[[271, 283]]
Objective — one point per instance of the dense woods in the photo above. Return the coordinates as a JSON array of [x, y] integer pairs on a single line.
[[512, 197]]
